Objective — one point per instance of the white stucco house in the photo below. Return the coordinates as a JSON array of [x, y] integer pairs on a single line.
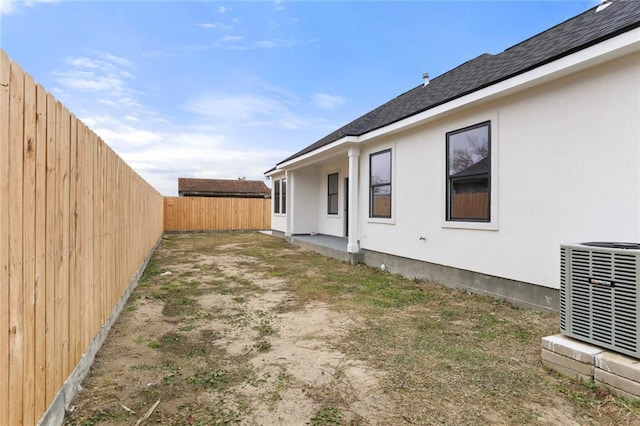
[[474, 178]]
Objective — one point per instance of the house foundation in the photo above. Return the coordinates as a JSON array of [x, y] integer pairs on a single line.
[[517, 292]]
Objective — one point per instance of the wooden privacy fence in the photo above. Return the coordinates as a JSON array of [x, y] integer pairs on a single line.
[[76, 223], [470, 205], [216, 214]]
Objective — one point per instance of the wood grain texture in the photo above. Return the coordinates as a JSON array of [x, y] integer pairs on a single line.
[[76, 223]]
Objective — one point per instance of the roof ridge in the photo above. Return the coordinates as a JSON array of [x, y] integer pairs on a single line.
[[549, 29]]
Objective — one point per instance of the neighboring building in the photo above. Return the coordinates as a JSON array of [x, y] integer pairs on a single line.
[[475, 177], [237, 188]]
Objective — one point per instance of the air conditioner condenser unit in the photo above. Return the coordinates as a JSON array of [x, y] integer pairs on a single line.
[[599, 294]]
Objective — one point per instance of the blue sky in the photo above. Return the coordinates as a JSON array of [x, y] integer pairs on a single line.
[[228, 89]]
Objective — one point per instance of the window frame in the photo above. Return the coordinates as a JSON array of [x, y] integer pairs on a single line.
[[276, 196], [489, 178], [373, 186], [283, 195], [333, 194]]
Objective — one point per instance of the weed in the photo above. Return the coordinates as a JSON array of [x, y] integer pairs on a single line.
[[265, 328], [169, 379], [97, 417], [154, 344], [144, 367], [263, 346], [170, 339], [151, 271], [214, 379], [326, 417], [195, 352]]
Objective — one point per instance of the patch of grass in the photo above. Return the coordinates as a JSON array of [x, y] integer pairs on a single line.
[[328, 416], [170, 339], [96, 417], [265, 328], [152, 270], [153, 344], [214, 379], [146, 367]]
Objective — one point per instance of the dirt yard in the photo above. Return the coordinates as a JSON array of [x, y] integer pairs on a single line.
[[246, 329]]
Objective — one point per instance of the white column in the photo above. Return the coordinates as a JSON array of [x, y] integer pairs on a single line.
[[289, 204], [354, 161]]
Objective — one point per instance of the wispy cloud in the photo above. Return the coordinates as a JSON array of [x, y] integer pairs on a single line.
[[231, 39], [236, 108], [215, 26], [326, 101], [8, 7], [241, 43], [269, 110], [32, 3], [161, 157], [101, 72]]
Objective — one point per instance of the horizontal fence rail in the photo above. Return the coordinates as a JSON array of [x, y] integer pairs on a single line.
[[216, 214], [76, 223]]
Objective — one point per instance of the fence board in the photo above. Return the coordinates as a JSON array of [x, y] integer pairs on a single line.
[[4, 235], [29, 246], [50, 249], [74, 248], [40, 250], [216, 213], [75, 225], [16, 294], [89, 230]]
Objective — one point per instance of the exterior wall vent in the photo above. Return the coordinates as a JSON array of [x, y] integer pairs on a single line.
[[599, 295]]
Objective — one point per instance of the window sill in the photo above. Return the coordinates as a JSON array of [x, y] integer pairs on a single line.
[[382, 220], [482, 226]]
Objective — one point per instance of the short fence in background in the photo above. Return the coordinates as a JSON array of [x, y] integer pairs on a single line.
[[216, 214], [76, 224]]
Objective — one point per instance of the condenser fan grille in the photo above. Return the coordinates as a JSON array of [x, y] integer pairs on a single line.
[[599, 295]]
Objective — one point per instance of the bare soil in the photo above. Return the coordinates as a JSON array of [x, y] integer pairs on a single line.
[[246, 329]]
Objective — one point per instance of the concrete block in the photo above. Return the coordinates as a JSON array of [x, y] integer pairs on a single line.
[[616, 391], [567, 372], [612, 380], [620, 365], [579, 351], [566, 362]]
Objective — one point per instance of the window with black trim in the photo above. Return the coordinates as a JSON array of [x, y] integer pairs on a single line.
[[469, 174], [380, 184], [332, 194], [276, 196]]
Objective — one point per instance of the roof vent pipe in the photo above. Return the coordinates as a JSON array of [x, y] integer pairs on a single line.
[[603, 5], [425, 78]]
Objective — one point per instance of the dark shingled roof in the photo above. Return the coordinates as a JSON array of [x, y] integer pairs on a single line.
[[479, 168], [223, 187], [575, 34]]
